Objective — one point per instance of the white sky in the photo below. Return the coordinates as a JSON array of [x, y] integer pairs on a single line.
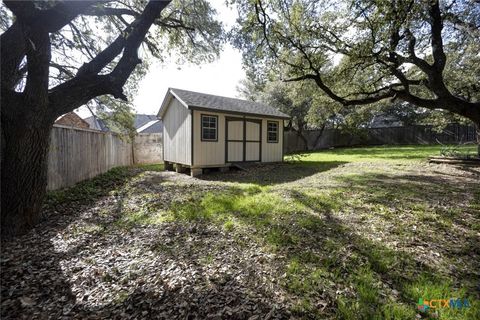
[[220, 77]]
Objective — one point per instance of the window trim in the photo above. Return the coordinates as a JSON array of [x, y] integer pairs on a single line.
[[278, 131], [201, 127]]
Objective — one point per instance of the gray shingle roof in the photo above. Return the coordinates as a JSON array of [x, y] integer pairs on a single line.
[[154, 126], [225, 104], [139, 121]]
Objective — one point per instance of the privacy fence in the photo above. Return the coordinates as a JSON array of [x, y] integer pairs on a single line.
[[78, 154], [316, 139]]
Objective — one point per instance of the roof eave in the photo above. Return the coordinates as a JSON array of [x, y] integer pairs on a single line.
[[166, 102], [239, 112]]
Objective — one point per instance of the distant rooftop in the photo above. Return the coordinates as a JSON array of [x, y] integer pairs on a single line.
[[140, 123]]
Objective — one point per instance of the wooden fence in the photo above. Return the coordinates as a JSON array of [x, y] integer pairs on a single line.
[[329, 138], [79, 154]]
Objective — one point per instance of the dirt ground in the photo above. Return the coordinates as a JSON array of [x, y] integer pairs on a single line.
[[155, 244]]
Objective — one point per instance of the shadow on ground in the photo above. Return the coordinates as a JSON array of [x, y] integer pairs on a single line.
[[84, 261], [273, 174], [366, 248]]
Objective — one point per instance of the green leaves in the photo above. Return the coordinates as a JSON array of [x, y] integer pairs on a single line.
[[357, 49]]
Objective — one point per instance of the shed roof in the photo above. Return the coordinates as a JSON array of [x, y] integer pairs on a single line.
[[203, 101]]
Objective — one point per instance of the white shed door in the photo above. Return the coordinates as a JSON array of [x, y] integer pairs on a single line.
[[243, 140], [252, 140], [234, 140]]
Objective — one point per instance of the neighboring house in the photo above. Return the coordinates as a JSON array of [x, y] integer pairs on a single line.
[[96, 123], [385, 121], [203, 130], [72, 119], [154, 126], [144, 123]]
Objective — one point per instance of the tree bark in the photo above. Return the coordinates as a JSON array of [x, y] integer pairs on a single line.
[[320, 134], [299, 134], [24, 172], [478, 138], [27, 117]]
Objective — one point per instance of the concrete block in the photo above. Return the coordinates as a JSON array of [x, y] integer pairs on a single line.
[[179, 168], [196, 172], [168, 166]]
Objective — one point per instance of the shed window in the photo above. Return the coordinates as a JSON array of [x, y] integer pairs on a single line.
[[209, 128], [272, 131]]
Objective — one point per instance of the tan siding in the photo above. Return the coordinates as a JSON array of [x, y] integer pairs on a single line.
[[272, 152], [235, 151], [208, 153], [235, 130], [177, 133], [253, 130], [253, 151], [213, 153]]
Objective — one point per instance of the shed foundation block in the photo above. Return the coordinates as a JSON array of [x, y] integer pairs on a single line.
[[196, 172], [179, 168], [224, 169], [168, 166]]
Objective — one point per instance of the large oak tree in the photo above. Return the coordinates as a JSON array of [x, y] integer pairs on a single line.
[[58, 55], [360, 52]]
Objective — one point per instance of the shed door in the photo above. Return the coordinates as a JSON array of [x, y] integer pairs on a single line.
[[243, 142], [252, 140], [234, 140]]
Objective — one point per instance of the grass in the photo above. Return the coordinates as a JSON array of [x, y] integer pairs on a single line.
[[362, 233], [382, 153]]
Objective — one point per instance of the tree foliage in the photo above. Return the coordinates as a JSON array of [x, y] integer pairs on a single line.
[[186, 29], [359, 52], [59, 55]]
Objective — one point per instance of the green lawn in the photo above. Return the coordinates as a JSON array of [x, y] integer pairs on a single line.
[[360, 233], [386, 153]]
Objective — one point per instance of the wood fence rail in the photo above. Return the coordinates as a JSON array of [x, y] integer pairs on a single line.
[[452, 134], [78, 154]]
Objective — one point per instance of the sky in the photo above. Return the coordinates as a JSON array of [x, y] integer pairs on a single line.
[[220, 77]]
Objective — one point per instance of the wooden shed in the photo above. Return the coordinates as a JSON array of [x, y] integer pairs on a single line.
[[203, 131]]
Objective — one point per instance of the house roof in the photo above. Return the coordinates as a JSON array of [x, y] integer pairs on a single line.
[[139, 121], [96, 123], [203, 101], [154, 126], [72, 119], [143, 119]]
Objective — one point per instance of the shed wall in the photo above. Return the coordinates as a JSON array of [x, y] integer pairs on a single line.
[[208, 153], [272, 152], [177, 132], [212, 153]]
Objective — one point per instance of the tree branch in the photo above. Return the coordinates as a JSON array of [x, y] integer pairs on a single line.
[[88, 84], [436, 31], [13, 48]]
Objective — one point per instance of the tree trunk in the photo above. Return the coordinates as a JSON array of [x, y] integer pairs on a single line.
[[319, 135], [24, 158], [478, 139], [304, 139]]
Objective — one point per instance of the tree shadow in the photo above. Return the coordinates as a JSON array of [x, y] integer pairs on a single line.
[[432, 210], [327, 261], [32, 277], [327, 245], [40, 277], [273, 174]]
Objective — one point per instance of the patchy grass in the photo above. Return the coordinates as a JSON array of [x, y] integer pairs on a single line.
[[359, 233]]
